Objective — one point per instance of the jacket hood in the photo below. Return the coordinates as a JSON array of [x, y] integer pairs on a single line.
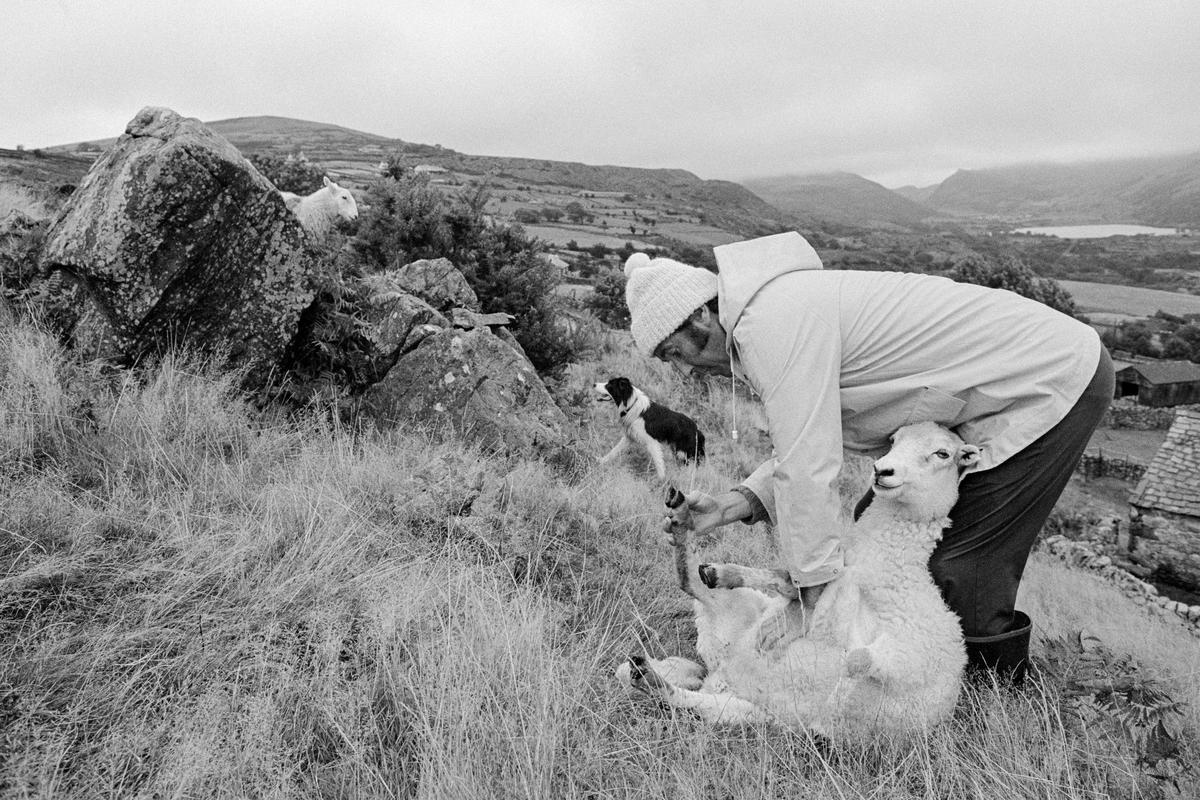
[[743, 268]]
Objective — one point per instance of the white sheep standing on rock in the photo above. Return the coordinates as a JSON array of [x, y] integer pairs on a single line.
[[318, 211], [882, 651]]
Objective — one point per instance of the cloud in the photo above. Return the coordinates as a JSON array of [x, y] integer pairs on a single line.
[[891, 89]]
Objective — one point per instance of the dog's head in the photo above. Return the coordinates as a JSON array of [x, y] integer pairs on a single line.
[[617, 390]]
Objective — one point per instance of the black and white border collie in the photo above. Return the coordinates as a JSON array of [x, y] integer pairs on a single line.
[[651, 425]]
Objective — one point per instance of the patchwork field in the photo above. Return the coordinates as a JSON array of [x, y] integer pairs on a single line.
[[1129, 300]]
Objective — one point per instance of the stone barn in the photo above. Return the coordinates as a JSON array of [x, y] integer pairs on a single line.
[[1165, 506], [1160, 383]]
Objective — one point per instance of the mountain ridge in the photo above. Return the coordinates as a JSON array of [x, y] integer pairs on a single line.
[[1154, 190], [842, 198]]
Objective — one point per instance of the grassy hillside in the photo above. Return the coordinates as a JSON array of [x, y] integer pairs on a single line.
[[841, 198], [44, 170], [1155, 191], [198, 600], [353, 156]]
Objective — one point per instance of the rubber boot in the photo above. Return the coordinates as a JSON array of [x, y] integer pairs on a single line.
[[1006, 654]]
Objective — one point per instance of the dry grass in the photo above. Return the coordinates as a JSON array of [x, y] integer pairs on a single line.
[[18, 198], [200, 602]]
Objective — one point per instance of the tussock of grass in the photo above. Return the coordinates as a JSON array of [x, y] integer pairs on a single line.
[[197, 601], [22, 200]]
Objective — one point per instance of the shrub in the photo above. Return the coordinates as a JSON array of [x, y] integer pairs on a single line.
[[407, 220], [608, 299], [404, 220], [576, 212], [527, 216], [1015, 276]]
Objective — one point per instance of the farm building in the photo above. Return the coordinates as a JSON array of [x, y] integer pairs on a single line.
[[1160, 383], [1165, 506]]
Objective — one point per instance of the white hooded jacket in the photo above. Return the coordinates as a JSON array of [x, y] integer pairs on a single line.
[[841, 359]]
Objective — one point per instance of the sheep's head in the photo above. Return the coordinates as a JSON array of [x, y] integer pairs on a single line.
[[920, 472], [343, 201]]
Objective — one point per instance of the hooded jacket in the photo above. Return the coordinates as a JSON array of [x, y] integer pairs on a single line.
[[841, 359]]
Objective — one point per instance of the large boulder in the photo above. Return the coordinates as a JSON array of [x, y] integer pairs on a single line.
[[178, 240], [396, 322], [437, 282], [475, 384]]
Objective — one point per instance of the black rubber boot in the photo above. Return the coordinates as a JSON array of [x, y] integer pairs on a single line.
[[1006, 654]]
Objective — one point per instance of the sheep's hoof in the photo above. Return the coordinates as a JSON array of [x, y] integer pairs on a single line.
[[708, 575], [643, 678]]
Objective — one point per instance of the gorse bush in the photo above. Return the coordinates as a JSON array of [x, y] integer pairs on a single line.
[[608, 299], [406, 219]]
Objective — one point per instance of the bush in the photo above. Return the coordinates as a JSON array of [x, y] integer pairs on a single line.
[[608, 299], [1015, 276], [527, 216], [407, 220]]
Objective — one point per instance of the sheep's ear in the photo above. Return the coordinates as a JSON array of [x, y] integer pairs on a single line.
[[327, 181], [968, 456]]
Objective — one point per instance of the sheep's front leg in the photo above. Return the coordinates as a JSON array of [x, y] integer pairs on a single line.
[[676, 670], [718, 708], [616, 451], [733, 576]]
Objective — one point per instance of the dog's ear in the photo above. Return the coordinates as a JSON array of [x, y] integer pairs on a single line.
[[620, 389]]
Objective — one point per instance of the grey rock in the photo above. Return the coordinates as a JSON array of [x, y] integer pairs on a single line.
[[474, 384], [178, 240], [437, 282]]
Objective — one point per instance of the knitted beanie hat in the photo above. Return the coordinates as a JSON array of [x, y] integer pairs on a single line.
[[661, 294]]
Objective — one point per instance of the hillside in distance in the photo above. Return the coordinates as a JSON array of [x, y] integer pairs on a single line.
[[354, 156], [840, 198], [1153, 191]]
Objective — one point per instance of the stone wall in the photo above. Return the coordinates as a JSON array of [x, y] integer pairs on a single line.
[[1098, 465], [1084, 556], [1169, 543], [1125, 413]]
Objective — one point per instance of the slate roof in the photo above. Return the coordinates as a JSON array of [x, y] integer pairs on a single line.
[[1172, 481], [1160, 372]]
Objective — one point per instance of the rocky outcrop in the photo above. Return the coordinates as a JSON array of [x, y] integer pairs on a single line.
[[396, 322], [451, 368], [437, 282], [475, 384], [177, 240]]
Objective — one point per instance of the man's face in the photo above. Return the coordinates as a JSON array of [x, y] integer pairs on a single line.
[[697, 347]]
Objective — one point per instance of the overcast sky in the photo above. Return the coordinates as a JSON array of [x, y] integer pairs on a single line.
[[900, 91]]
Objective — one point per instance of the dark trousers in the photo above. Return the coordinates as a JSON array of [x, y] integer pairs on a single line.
[[979, 562]]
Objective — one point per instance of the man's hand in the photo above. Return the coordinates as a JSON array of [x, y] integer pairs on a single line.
[[782, 628], [699, 513]]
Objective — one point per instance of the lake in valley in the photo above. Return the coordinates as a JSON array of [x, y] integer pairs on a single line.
[[1098, 231]]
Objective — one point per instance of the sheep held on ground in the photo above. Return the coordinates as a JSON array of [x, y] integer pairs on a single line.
[[882, 651], [319, 211]]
